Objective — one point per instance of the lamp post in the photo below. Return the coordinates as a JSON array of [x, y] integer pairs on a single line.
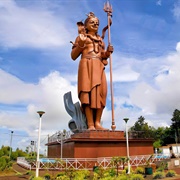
[[176, 139], [127, 144], [61, 135], [39, 134], [10, 150]]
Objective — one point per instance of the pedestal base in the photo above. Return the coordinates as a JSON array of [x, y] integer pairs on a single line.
[[95, 144]]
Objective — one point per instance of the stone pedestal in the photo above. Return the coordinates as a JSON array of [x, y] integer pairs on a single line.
[[95, 144]]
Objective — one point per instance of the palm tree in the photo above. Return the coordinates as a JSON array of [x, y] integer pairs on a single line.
[[117, 161]]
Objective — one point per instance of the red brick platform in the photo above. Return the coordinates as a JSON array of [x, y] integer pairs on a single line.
[[94, 144]]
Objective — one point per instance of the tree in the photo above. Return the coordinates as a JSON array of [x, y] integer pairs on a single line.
[[157, 144], [176, 123], [168, 136], [5, 150], [117, 161], [143, 127], [14, 155], [1, 152], [139, 124]]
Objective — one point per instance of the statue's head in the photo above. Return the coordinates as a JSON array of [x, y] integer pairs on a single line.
[[91, 23]]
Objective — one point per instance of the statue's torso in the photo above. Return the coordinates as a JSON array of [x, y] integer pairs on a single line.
[[92, 48]]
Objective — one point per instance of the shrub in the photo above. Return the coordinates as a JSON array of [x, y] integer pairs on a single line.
[[163, 166], [5, 163], [170, 173], [136, 177], [112, 172], [2, 163], [158, 175], [60, 174], [139, 170], [96, 169], [109, 174], [123, 172], [37, 178], [160, 169], [122, 177], [70, 173], [99, 172], [62, 177], [47, 176], [82, 174], [29, 172], [105, 178]]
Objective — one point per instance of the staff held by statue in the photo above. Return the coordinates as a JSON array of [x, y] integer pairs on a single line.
[[108, 10]]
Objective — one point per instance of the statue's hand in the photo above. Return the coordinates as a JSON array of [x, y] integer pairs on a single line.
[[110, 48], [82, 39]]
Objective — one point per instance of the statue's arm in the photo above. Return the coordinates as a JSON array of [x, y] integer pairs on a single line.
[[78, 46]]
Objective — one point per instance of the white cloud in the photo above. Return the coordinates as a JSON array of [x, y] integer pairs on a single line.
[[166, 97], [47, 95], [123, 74], [178, 47], [13, 90], [158, 2], [176, 10], [23, 27], [122, 69]]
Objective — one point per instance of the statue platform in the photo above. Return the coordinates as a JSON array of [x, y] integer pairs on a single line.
[[95, 144], [99, 134]]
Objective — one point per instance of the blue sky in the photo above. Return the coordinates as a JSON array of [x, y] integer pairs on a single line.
[[36, 68]]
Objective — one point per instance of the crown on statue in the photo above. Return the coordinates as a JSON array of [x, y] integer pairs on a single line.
[[91, 15]]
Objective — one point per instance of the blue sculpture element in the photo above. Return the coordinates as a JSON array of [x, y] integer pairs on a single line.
[[78, 121]]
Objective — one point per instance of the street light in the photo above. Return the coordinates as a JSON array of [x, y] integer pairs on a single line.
[[11, 144], [61, 135], [39, 134], [127, 144], [176, 139]]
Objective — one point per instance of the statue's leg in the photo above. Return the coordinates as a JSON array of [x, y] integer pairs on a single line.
[[89, 117], [98, 120]]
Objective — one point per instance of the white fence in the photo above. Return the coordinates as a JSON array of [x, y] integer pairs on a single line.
[[87, 163]]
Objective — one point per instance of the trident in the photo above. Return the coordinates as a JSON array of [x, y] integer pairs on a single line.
[[108, 10]]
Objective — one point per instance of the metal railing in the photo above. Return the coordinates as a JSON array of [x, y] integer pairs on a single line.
[[139, 135], [88, 163], [56, 137]]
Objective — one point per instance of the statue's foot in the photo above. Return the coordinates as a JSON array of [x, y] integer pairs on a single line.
[[99, 127], [91, 128]]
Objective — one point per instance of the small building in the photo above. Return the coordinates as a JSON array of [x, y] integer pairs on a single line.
[[171, 149], [165, 150]]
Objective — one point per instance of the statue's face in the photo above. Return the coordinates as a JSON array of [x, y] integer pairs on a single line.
[[92, 25]]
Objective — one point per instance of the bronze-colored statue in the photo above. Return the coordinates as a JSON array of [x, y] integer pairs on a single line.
[[92, 85]]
